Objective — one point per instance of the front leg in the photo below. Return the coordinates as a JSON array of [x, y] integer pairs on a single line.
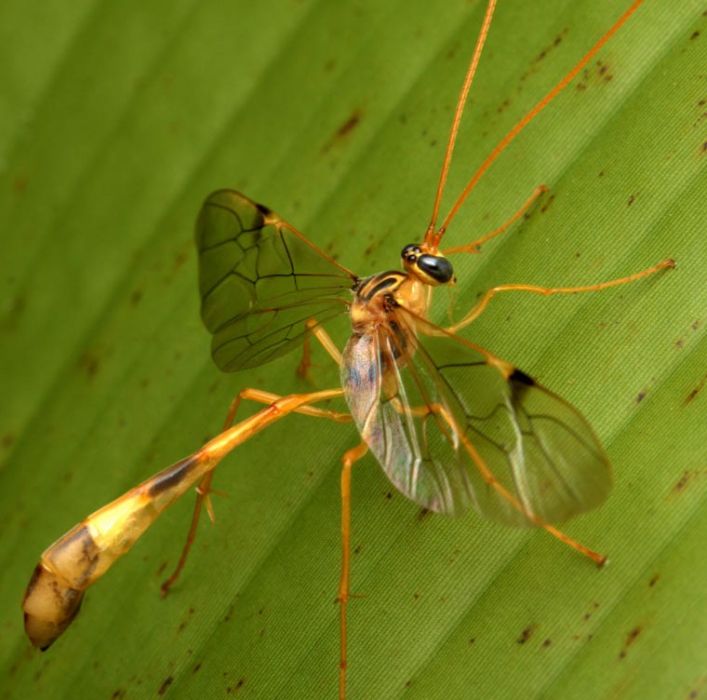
[[480, 307]]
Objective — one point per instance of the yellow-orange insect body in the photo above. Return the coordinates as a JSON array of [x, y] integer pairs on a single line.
[[453, 426]]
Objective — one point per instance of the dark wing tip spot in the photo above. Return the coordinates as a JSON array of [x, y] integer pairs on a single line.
[[520, 377], [519, 382], [263, 209]]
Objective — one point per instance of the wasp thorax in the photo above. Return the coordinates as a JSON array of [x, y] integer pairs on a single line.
[[431, 269]]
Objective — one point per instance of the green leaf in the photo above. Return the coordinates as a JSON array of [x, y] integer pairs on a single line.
[[116, 119]]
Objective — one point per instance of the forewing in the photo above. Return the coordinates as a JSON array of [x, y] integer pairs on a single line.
[[453, 427], [415, 446], [259, 281]]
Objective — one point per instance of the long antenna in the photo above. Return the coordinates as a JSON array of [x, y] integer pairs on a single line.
[[435, 238], [461, 102]]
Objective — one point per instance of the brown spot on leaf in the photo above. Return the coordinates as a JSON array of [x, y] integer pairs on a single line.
[[11, 320], [696, 689], [631, 199], [682, 482], [118, 694], [235, 688], [503, 106], [654, 579], [370, 248], [179, 259], [90, 363], [344, 130], [423, 514], [631, 637], [548, 202], [547, 642], [19, 184], [694, 34], [229, 614], [595, 74], [165, 685], [526, 634], [196, 667], [546, 50], [686, 478], [692, 395]]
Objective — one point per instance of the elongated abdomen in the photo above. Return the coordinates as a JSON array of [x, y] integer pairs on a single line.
[[81, 556]]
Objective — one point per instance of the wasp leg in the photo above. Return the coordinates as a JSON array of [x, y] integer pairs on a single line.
[[348, 460], [81, 556], [475, 246], [313, 328], [204, 488], [477, 310], [488, 476]]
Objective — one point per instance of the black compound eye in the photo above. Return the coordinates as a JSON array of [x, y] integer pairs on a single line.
[[410, 252], [438, 268]]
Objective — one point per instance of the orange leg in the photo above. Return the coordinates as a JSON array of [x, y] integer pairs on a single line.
[[549, 291], [488, 476], [348, 460], [313, 328], [204, 488], [475, 246], [81, 556]]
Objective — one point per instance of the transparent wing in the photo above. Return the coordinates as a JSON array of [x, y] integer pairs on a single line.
[[415, 447], [453, 427], [260, 280]]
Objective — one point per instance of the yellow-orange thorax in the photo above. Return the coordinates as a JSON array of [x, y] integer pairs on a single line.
[[376, 296]]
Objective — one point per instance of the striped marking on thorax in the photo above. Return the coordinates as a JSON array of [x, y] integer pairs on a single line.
[[382, 283]]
